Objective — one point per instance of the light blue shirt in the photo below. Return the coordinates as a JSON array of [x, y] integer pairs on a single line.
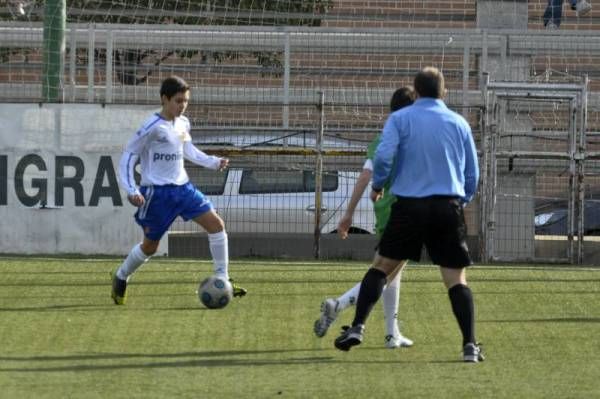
[[433, 149]]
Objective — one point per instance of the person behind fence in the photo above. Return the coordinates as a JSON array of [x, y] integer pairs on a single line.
[[332, 307], [165, 192], [553, 13], [430, 153]]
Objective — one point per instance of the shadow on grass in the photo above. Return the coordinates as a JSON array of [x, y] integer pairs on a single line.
[[200, 270], [102, 307], [79, 284], [197, 359], [125, 361], [104, 356], [87, 297], [52, 308], [547, 320], [529, 280]]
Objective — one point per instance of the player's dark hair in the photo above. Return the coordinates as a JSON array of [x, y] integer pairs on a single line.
[[401, 98], [429, 82], [173, 85]]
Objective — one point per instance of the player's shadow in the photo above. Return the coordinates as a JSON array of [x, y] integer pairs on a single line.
[[105, 356], [234, 358], [547, 320], [141, 282], [98, 307], [192, 359], [529, 292], [527, 280], [50, 308]]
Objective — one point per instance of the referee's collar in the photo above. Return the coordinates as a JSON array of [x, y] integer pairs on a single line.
[[430, 101]]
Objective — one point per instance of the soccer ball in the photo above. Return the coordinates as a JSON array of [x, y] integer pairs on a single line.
[[215, 292]]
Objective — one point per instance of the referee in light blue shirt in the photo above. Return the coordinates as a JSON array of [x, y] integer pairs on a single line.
[[429, 151]]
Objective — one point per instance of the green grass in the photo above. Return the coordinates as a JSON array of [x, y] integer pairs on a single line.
[[61, 337]]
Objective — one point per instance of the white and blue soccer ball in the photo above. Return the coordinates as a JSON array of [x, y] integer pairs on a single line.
[[215, 292]]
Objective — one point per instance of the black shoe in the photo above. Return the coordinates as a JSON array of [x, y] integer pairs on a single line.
[[351, 336], [472, 353], [237, 290], [119, 289]]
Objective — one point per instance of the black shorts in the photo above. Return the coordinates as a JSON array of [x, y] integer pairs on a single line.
[[438, 222]]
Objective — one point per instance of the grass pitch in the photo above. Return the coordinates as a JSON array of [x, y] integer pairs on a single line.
[[61, 336]]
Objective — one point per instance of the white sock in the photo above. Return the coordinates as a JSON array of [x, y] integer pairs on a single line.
[[349, 297], [391, 297], [219, 249], [132, 262]]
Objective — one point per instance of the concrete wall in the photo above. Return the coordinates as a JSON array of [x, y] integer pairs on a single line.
[[293, 246], [356, 247], [502, 14]]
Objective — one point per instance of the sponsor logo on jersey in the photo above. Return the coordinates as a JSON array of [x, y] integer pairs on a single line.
[[167, 157]]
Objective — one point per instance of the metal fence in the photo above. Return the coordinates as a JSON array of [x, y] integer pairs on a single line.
[[533, 181], [267, 119]]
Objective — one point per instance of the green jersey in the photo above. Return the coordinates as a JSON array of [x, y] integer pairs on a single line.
[[383, 207]]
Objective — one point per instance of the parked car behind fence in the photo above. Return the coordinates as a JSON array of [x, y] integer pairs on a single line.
[[265, 194], [551, 218]]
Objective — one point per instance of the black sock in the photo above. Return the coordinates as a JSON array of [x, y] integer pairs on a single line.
[[461, 299], [370, 291]]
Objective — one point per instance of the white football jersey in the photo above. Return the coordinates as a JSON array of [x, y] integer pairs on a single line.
[[161, 147]]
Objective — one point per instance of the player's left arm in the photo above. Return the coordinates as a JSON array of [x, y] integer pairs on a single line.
[[471, 171], [198, 157], [194, 155]]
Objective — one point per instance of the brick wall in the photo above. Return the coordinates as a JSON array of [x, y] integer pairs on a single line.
[[338, 69], [440, 14], [405, 14]]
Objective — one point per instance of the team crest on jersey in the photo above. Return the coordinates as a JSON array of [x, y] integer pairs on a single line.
[[182, 134]]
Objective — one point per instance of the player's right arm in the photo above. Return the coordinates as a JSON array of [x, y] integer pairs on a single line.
[[385, 154], [129, 158]]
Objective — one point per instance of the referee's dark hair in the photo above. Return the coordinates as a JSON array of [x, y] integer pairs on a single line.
[[173, 85], [402, 97], [429, 82]]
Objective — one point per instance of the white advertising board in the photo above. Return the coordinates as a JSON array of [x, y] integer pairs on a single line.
[[59, 191]]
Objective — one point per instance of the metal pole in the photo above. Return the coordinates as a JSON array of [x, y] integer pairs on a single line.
[[483, 66], [581, 167], [503, 61], [495, 128], [483, 198], [109, 67], [286, 81], [572, 182], [91, 59], [465, 78], [55, 19], [72, 61], [319, 176]]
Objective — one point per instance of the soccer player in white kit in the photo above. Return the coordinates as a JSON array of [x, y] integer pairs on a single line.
[[165, 192]]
